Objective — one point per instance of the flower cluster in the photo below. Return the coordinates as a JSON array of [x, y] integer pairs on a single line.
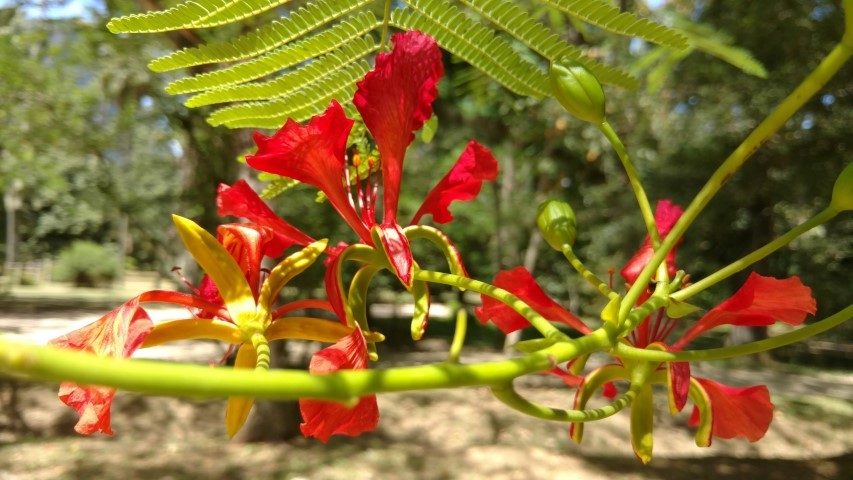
[[238, 301], [719, 410], [235, 300]]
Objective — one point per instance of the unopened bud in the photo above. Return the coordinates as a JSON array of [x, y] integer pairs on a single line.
[[556, 221], [577, 89], [842, 192]]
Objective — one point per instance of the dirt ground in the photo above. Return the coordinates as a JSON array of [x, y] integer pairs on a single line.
[[431, 435]]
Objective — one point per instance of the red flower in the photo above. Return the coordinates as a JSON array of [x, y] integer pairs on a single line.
[[235, 293], [521, 283], [323, 419], [394, 100]]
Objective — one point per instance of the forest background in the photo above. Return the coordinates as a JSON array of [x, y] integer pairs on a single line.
[[93, 149]]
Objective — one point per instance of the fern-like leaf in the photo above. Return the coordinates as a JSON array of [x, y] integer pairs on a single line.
[[265, 39], [474, 43], [277, 185], [205, 14], [719, 45], [609, 18], [287, 56], [299, 106], [509, 17], [291, 81]]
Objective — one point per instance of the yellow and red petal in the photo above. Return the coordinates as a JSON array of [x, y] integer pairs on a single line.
[[322, 419], [521, 283], [736, 412], [395, 99], [248, 244], [463, 182], [240, 200], [117, 334], [760, 301]]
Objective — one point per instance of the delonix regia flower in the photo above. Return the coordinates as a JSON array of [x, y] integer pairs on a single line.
[[235, 304], [719, 410], [394, 100]]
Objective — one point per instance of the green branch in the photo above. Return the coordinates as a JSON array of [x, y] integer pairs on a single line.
[[42, 363]]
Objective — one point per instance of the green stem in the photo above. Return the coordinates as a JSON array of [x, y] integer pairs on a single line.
[[587, 274], [628, 352], [458, 335], [511, 398], [43, 363], [755, 256], [812, 83], [386, 21], [538, 322], [262, 349], [634, 178]]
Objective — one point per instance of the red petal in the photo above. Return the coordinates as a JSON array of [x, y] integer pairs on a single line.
[[396, 247], [521, 283], [737, 412], [760, 301], [117, 334], [462, 182], [324, 419], [241, 201], [313, 154], [394, 100], [666, 214]]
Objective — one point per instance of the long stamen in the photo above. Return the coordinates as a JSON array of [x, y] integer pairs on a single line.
[[347, 183]]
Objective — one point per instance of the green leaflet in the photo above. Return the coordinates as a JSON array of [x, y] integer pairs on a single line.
[[511, 18], [192, 15], [287, 56], [262, 40], [292, 81], [609, 18], [299, 106], [474, 43]]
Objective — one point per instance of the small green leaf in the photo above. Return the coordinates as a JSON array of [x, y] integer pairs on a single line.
[[677, 309], [610, 313], [429, 128]]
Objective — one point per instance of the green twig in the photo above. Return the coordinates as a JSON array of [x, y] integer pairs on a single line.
[[538, 322], [755, 256]]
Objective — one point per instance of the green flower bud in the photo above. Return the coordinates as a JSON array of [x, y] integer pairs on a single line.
[[556, 221], [842, 193], [577, 89]]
